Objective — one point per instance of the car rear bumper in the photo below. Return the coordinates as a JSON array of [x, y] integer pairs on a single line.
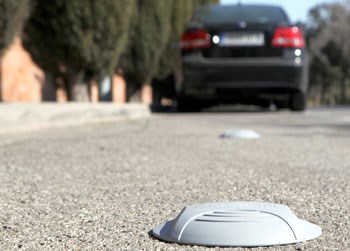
[[213, 77]]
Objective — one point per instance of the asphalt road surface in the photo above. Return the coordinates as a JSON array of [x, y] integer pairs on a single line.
[[105, 186]]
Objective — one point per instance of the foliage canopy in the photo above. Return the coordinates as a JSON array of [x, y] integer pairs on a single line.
[[12, 16], [328, 34], [82, 35]]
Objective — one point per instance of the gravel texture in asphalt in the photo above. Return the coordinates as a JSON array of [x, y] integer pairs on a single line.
[[105, 186]]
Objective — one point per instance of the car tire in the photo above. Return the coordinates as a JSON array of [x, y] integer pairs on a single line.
[[297, 101]]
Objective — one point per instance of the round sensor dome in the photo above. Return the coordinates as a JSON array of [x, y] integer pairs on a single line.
[[244, 224], [241, 134]]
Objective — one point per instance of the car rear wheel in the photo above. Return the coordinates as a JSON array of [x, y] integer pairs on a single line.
[[297, 101]]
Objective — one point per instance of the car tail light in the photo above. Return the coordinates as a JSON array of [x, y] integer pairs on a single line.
[[288, 37], [195, 39]]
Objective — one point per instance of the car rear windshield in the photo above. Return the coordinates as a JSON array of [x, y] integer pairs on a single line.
[[218, 14]]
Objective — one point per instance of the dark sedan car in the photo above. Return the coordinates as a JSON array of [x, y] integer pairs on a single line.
[[243, 53]]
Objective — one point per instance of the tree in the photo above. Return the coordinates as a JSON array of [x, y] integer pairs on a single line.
[[182, 11], [330, 53], [164, 79], [150, 32], [79, 39], [180, 16], [13, 13]]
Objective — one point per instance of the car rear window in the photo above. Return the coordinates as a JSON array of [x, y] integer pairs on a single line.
[[218, 14]]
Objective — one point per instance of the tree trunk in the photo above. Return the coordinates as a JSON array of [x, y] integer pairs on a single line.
[[48, 89], [105, 89], [78, 88], [343, 90]]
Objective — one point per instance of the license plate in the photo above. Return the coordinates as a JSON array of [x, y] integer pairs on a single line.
[[242, 39]]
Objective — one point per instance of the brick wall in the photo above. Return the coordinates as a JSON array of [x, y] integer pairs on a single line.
[[21, 78], [23, 81]]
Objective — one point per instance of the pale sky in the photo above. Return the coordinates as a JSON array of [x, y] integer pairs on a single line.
[[296, 9]]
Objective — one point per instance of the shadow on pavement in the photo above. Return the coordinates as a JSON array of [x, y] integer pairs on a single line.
[[217, 109]]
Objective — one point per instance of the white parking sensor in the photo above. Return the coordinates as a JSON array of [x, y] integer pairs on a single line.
[[244, 224], [241, 134]]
